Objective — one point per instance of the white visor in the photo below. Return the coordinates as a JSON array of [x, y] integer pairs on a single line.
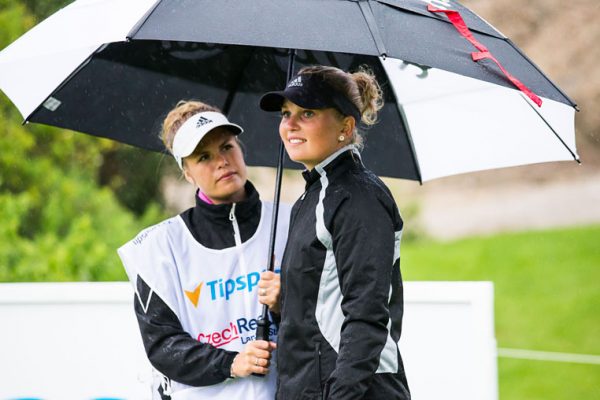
[[193, 131]]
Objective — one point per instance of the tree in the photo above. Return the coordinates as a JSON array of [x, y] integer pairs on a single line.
[[43, 8], [56, 221]]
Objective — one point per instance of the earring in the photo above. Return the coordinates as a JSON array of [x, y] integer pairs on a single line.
[[341, 138]]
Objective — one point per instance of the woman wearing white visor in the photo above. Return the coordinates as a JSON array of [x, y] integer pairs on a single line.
[[197, 275]]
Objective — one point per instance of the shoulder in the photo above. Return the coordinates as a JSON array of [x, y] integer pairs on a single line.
[[359, 185], [151, 244], [155, 233], [362, 196]]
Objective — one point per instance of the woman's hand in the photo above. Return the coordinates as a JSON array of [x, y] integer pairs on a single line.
[[254, 359], [268, 290]]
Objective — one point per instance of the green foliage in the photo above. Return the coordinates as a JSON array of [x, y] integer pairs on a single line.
[[133, 175], [57, 223], [14, 20], [44, 8], [546, 295]]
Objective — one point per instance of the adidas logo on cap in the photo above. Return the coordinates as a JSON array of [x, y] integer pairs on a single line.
[[203, 121], [296, 82]]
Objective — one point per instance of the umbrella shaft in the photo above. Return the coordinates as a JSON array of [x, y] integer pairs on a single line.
[[271, 261]]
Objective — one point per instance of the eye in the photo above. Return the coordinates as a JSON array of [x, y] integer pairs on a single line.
[[203, 157], [285, 114], [227, 146], [308, 113]]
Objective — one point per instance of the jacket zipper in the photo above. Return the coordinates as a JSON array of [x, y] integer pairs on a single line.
[[238, 245], [236, 228], [238, 239]]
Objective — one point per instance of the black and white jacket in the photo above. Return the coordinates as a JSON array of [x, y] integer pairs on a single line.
[[342, 297]]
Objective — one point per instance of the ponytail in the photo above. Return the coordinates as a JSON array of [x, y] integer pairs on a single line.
[[371, 96]]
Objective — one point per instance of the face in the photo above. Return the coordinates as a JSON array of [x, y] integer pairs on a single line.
[[217, 167], [310, 136]]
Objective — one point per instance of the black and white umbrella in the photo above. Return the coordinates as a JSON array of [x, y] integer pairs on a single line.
[[113, 68]]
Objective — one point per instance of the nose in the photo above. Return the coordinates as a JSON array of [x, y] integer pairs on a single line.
[[290, 123], [223, 161]]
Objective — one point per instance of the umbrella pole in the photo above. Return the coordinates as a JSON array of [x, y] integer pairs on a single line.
[[263, 324]]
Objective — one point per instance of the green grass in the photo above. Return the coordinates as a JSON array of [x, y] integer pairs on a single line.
[[542, 380], [547, 298]]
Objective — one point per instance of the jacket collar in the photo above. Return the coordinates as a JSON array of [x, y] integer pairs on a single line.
[[341, 160], [243, 210]]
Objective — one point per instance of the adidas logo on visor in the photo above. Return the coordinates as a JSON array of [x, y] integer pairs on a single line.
[[296, 82], [203, 121]]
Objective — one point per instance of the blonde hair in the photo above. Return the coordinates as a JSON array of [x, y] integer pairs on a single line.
[[182, 111], [360, 87]]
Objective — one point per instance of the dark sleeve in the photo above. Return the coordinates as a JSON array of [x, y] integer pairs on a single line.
[[275, 318], [171, 350], [363, 243]]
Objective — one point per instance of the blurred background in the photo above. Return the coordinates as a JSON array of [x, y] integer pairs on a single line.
[[68, 200]]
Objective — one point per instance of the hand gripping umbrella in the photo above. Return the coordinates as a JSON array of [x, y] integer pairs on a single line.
[[459, 95]]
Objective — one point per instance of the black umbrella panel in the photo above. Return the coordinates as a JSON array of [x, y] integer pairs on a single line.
[[137, 82]]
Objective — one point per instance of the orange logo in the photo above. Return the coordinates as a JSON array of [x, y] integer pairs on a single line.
[[194, 295]]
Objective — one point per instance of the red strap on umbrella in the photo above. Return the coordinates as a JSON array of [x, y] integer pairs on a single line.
[[460, 25]]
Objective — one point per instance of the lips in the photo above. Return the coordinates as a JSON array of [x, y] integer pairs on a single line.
[[226, 176]]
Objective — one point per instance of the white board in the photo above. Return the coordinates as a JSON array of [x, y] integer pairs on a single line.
[[71, 341], [448, 342], [80, 341]]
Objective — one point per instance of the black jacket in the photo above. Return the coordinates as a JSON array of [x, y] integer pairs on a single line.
[[170, 349], [342, 300]]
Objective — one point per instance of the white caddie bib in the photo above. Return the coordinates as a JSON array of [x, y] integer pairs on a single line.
[[213, 292]]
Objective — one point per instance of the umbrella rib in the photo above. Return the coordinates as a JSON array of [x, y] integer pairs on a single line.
[[66, 80], [367, 12], [410, 142], [400, 109], [534, 65], [142, 21], [550, 127]]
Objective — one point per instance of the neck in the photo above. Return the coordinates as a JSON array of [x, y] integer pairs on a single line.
[[233, 198], [204, 198], [332, 156]]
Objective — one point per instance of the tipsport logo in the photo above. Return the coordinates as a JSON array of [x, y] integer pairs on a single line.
[[194, 295], [242, 329], [223, 289], [220, 288]]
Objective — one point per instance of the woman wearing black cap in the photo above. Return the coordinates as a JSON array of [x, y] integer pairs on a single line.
[[197, 276], [341, 288]]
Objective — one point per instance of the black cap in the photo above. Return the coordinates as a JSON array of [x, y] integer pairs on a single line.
[[312, 92]]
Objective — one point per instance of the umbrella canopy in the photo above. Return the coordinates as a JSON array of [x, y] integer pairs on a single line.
[[113, 69]]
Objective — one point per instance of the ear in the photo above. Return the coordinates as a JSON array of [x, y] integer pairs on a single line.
[[348, 125]]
